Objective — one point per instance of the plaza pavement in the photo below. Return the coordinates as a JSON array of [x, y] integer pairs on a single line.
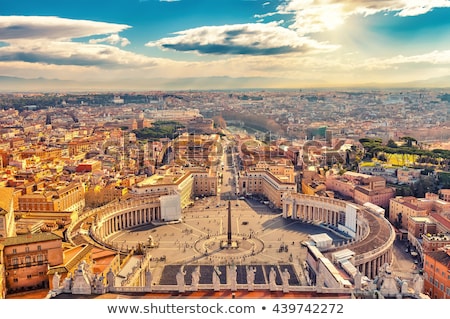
[[265, 237]]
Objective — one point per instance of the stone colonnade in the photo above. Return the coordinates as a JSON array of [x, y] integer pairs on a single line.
[[371, 264], [328, 210], [126, 214], [312, 208], [318, 210]]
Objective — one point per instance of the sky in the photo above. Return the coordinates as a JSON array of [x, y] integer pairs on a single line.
[[224, 44]]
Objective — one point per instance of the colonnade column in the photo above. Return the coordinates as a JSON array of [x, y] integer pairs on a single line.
[[286, 208]]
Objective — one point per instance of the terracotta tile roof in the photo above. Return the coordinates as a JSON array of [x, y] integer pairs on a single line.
[[6, 197], [29, 238]]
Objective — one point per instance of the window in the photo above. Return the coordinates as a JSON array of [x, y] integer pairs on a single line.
[[15, 262], [40, 259], [28, 261], [28, 276], [39, 247], [16, 280], [14, 251], [27, 249]]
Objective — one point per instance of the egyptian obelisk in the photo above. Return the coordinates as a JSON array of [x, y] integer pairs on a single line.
[[229, 225]]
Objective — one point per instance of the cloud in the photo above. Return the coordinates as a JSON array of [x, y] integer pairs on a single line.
[[112, 39], [241, 39], [48, 40], [312, 16], [268, 14], [308, 17], [435, 57], [73, 53], [40, 27]]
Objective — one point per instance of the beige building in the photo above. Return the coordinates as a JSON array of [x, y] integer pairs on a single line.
[[26, 259], [374, 190], [313, 183], [43, 153], [97, 195], [55, 197], [269, 180], [434, 242], [410, 206], [419, 225], [186, 182], [408, 175], [82, 145], [401, 208], [361, 188], [444, 194]]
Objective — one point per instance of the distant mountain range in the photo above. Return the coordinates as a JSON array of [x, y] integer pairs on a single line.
[[16, 84]]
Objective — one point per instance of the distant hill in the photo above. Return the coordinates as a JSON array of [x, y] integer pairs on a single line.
[[16, 84]]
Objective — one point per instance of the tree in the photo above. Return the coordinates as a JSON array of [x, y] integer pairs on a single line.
[[371, 146], [391, 143], [409, 140]]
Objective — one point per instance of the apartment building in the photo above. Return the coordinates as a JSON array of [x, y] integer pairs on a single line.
[[44, 154], [81, 145], [408, 175], [269, 180], [313, 183], [435, 241], [187, 182], [444, 194], [402, 208], [55, 197], [361, 188], [374, 190], [437, 273], [420, 225], [26, 259]]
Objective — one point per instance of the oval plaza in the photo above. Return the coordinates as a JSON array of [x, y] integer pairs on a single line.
[[180, 236]]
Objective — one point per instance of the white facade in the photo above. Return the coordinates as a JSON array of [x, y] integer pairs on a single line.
[[321, 240], [170, 207], [349, 226]]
